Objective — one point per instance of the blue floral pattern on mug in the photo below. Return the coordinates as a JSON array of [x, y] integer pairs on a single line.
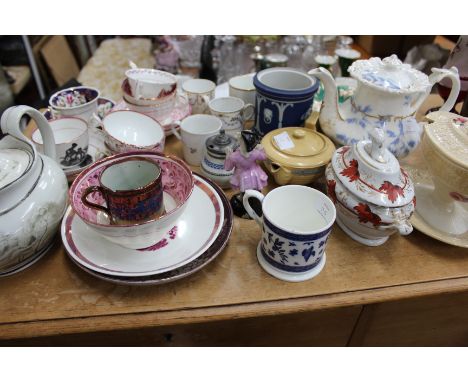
[[292, 252]]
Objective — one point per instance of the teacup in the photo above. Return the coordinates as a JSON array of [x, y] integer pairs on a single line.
[[71, 140], [167, 100], [194, 131], [80, 102], [132, 189], [232, 111], [150, 83], [199, 92], [296, 224], [242, 87], [127, 130]]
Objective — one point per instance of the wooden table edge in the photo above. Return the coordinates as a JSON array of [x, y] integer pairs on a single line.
[[139, 320]]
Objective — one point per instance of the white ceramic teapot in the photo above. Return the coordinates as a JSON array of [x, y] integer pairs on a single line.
[[387, 96], [33, 191]]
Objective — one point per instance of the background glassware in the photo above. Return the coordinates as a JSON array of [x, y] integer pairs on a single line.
[[189, 49], [314, 47], [293, 47]]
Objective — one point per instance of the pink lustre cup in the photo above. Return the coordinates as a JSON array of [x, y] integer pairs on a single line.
[[177, 183]]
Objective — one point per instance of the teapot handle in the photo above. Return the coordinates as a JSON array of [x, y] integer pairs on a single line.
[[11, 122], [452, 73]]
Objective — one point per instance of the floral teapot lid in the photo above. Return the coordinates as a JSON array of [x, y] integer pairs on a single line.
[[370, 171], [449, 133], [389, 74]]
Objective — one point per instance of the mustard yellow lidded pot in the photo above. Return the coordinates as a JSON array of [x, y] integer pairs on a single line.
[[296, 155]]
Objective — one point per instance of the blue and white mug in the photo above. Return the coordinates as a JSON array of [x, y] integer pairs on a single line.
[[296, 223], [284, 98]]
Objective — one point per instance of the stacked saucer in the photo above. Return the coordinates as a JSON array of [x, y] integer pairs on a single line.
[[170, 248]]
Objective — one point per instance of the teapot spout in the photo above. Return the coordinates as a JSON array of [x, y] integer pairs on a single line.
[[330, 102]]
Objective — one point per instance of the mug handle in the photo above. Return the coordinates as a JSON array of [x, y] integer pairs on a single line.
[[452, 73], [87, 203], [248, 116], [245, 201], [95, 121], [174, 130]]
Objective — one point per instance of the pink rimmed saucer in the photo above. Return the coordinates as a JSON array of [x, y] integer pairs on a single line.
[[181, 110], [195, 231], [193, 266]]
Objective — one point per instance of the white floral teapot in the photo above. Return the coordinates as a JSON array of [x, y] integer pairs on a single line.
[[33, 191], [387, 96]]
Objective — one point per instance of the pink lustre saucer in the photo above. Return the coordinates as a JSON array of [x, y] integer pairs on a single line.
[[185, 270], [192, 234], [181, 110]]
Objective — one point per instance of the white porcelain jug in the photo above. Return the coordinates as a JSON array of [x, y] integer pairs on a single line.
[[33, 191]]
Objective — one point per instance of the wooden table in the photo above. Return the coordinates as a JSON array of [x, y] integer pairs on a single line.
[[412, 290]]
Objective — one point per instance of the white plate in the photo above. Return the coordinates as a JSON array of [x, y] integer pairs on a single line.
[[197, 229]]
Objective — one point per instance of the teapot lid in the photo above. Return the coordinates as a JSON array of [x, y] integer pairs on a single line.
[[389, 74], [13, 164], [219, 144], [370, 171], [449, 133], [298, 147]]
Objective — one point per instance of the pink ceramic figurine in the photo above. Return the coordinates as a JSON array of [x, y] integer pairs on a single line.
[[248, 174]]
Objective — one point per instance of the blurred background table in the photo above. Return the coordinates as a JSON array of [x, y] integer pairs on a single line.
[[411, 291]]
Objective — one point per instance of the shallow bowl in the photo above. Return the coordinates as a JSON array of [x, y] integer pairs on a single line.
[[178, 185], [128, 130]]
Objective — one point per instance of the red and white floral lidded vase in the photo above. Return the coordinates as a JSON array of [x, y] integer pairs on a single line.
[[373, 195]]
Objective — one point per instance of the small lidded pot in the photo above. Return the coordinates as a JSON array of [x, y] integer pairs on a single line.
[[374, 197], [296, 155], [216, 149]]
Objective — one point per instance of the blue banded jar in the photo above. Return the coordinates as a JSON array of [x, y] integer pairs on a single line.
[[284, 98]]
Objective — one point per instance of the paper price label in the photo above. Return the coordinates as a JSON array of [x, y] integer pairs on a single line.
[[283, 141]]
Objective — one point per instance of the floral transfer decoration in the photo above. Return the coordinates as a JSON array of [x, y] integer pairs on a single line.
[[391, 190], [351, 171], [171, 235], [366, 215]]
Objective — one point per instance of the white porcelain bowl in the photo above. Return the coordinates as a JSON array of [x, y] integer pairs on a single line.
[[128, 130], [177, 183]]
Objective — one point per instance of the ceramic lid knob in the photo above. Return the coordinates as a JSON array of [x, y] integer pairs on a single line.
[[377, 149], [299, 134]]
